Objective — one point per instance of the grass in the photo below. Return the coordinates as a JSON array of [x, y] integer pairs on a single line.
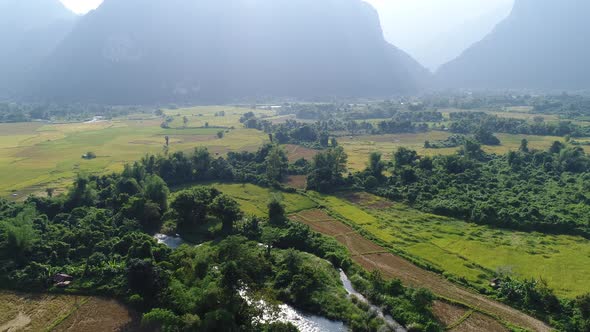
[[463, 250], [46, 312], [254, 199], [477, 252], [359, 148], [34, 156]]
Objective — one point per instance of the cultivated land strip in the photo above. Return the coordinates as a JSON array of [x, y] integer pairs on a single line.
[[374, 257]]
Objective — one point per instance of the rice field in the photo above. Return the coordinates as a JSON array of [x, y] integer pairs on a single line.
[[46, 312], [472, 252], [359, 148], [34, 156], [353, 224], [462, 250]]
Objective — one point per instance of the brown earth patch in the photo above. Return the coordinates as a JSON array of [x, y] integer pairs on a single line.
[[396, 267], [367, 200], [324, 227], [297, 181], [37, 312], [446, 313], [478, 322], [101, 315], [358, 245], [296, 152], [316, 215]]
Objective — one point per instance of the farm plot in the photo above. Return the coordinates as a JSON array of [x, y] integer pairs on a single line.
[[369, 254], [63, 313], [470, 251], [359, 148], [254, 199], [296, 152], [34, 156], [374, 257]]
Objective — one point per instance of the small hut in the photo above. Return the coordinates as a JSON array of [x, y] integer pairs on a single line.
[[62, 280], [495, 283]]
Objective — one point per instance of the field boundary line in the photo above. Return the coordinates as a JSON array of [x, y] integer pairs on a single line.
[[424, 265], [461, 320], [65, 316], [499, 319]]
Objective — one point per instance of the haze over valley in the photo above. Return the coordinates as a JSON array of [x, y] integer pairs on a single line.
[[294, 165]]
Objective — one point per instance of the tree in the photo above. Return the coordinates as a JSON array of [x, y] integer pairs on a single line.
[[220, 134], [333, 142], [146, 212], [404, 157], [524, 146], [486, 137], [156, 190], [376, 166], [472, 149], [277, 164], [556, 147], [162, 320], [324, 139], [327, 169], [17, 235], [227, 210], [185, 121], [276, 212], [82, 194], [201, 161], [192, 205]]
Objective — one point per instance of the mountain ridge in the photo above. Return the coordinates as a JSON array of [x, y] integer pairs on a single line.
[[216, 51], [30, 31], [539, 46]]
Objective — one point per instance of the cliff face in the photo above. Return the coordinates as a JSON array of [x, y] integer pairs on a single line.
[[541, 45], [132, 51], [29, 30]]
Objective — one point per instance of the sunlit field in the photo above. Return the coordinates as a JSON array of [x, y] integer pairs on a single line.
[[34, 156], [462, 250], [359, 148]]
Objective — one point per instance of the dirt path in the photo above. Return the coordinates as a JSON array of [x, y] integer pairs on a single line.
[[16, 324], [373, 257]]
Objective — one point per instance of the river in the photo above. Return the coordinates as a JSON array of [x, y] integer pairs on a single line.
[[305, 322]]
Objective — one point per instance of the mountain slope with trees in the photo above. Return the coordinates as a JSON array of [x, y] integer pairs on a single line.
[[214, 51]]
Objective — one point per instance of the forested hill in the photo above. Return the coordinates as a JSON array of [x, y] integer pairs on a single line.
[[136, 51], [541, 45], [29, 30]]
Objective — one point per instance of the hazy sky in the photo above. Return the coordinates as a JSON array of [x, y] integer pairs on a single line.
[[81, 6], [410, 23]]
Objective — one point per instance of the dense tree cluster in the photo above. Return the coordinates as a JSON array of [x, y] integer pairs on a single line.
[[26, 112], [267, 166], [472, 122], [545, 191], [535, 297], [99, 233]]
